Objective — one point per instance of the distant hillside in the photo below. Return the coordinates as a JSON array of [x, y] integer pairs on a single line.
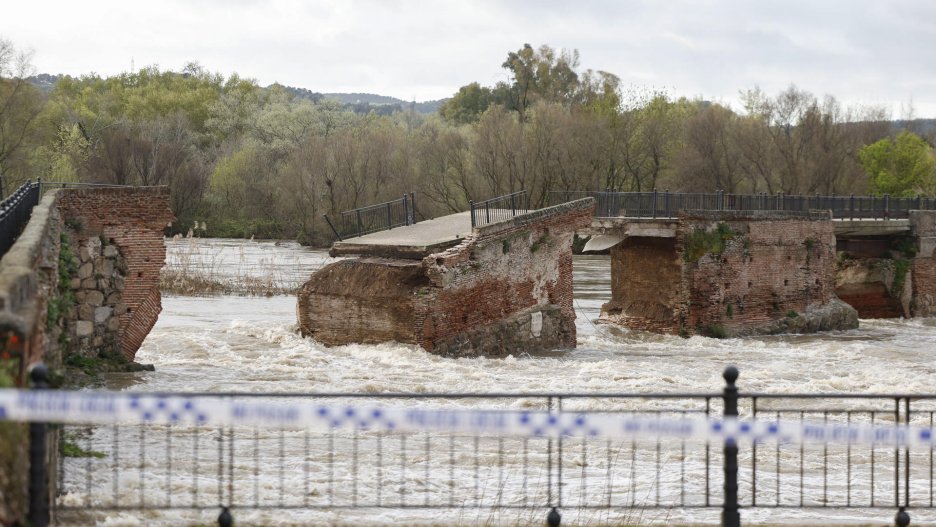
[[44, 81]]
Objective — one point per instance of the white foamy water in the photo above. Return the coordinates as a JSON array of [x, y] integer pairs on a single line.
[[250, 344]]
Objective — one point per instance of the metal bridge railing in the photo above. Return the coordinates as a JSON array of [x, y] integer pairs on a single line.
[[375, 218], [354, 472], [498, 209], [15, 212], [656, 204]]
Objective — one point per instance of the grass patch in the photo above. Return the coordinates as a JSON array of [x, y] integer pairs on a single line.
[[71, 449], [92, 366], [701, 242]]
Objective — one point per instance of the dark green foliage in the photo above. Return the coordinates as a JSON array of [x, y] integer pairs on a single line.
[[74, 224], [792, 313], [730, 310], [809, 243], [70, 448], [505, 246], [900, 275], [886, 255], [701, 242], [543, 240], [717, 331], [905, 245]]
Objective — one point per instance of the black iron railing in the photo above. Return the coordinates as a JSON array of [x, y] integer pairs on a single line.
[[498, 209], [352, 472], [375, 218], [15, 212], [665, 204]]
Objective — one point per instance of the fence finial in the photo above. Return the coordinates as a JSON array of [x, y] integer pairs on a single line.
[[902, 519], [225, 519], [553, 518]]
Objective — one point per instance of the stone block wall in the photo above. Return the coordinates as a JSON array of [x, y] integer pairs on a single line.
[[131, 222], [507, 288], [94, 321]]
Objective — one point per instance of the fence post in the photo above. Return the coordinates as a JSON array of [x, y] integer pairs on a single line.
[[389, 217], [513, 206], [225, 519], [412, 196], [653, 207], [852, 206], [471, 207], [332, 227], [38, 508], [359, 228], [666, 202], [886, 206], [730, 515], [405, 211]]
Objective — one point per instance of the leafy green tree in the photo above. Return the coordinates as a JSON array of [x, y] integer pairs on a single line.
[[467, 105], [901, 167]]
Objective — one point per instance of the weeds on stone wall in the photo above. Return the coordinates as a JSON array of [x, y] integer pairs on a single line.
[[792, 313], [701, 242], [64, 298], [900, 275]]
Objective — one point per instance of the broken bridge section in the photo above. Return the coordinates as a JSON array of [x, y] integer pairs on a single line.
[[726, 273], [503, 288]]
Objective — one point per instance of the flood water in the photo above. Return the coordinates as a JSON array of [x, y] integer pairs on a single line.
[[250, 344]]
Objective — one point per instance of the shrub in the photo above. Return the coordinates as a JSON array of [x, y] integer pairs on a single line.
[[701, 242], [792, 313], [717, 331]]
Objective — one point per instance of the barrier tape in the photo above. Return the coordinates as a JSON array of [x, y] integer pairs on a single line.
[[98, 408]]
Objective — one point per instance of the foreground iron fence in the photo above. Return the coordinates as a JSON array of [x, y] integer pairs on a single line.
[[188, 471], [667, 204], [375, 218], [498, 209]]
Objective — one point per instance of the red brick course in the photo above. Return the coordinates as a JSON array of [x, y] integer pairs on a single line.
[[133, 219]]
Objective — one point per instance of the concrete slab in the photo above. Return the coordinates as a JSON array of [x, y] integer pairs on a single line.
[[870, 227], [409, 242]]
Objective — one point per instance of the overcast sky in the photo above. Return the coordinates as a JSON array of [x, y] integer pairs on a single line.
[[862, 52]]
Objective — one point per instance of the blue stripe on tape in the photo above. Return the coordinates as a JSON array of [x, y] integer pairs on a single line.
[[115, 407]]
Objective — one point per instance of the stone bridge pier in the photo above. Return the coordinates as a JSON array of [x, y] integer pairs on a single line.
[[502, 288], [723, 273]]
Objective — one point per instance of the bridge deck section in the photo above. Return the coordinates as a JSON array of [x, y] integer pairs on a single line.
[[409, 242]]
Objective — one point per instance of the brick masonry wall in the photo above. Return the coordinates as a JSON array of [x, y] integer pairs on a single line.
[[507, 288], [514, 267], [132, 220], [777, 262]]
